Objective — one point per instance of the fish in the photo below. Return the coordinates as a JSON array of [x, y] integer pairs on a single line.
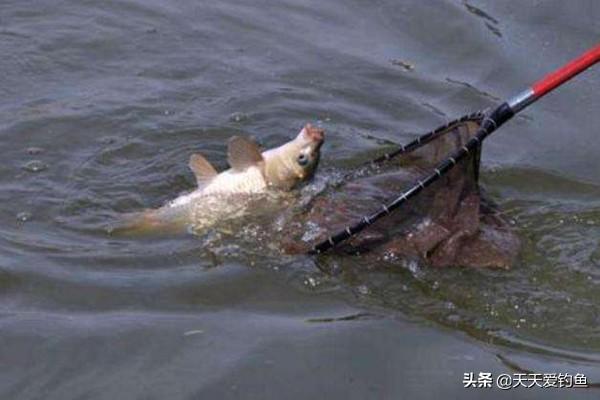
[[450, 223], [255, 180]]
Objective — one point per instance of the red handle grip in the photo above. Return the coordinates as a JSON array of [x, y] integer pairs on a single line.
[[565, 73]]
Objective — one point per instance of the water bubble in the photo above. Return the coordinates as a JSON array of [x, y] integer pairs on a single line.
[[238, 117], [390, 256], [413, 266], [310, 281], [312, 231], [24, 216], [35, 166], [34, 151], [449, 305], [363, 289]]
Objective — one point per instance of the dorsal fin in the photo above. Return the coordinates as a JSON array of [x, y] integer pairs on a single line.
[[203, 170], [243, 153]]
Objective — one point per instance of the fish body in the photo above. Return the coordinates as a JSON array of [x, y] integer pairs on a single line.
[[250, 180], [253, 176]]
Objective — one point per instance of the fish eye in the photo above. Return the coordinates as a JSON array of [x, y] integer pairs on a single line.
[[302, 159]]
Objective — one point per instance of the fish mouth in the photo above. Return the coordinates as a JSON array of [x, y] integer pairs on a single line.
[[314, 134]]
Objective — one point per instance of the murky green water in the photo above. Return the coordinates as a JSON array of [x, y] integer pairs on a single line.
[[102, 102]]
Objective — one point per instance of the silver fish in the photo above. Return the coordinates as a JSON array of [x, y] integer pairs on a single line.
[[255, 180]]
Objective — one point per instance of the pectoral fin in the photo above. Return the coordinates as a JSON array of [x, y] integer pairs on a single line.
[[203, 170], [243, 153]]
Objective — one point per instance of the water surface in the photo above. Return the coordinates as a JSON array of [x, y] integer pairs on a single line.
[[102, 103]]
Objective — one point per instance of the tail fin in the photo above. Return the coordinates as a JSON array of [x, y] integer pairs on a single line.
[[149, 222]]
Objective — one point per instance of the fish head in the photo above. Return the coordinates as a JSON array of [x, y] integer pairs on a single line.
[[308, 151], [296, 161]]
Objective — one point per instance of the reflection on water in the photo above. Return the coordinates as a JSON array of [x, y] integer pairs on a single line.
[[103, 102]]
